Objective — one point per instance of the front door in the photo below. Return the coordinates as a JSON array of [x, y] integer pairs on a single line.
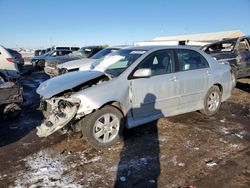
[[157, 95]]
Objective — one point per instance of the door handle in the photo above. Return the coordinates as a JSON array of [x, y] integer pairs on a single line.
[[174, 79]]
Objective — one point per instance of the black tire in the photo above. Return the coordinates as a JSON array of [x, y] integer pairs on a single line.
[[88, 127], [12, 110], [206, 111]]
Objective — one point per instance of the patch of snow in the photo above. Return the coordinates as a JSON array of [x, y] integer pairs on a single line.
[[43, 170], [223, 141], [90, 177], [240, 134], [84, 160], [234, 146], [162, 139], [181, 164], [225, 130], [223, 120], [190, 145]]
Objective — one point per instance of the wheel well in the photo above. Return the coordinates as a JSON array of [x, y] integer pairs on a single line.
[[220, 87], [115, 104]]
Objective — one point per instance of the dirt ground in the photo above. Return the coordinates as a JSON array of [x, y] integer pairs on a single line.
[[181, 151]]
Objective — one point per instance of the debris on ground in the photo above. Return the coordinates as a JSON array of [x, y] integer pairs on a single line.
[[210, 163]]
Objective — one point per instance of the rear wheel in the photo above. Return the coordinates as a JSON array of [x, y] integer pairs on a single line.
[[103, 127], [212, 101]]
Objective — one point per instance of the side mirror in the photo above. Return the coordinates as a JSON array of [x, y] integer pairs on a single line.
[[142, 73]]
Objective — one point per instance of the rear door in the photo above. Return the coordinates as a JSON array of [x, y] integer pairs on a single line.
[[193, 75]]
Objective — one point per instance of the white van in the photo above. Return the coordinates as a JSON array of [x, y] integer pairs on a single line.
[[8, 66]]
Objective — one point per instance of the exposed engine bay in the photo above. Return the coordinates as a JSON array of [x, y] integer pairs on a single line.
[[60, 111]]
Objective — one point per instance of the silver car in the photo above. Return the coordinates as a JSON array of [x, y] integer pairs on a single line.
[[131, 87]]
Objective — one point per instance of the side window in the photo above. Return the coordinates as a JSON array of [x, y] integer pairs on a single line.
[[159, 62], [190, 60], [64, 52], [243, 45], [55, 53]]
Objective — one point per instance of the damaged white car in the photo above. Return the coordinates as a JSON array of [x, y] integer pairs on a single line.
[[131, 87]]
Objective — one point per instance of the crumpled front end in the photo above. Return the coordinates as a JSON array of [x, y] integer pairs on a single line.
[[59, 112]]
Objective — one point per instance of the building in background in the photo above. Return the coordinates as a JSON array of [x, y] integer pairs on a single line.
[[200, 39]]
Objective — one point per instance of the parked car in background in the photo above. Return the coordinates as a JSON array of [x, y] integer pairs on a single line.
[[85, 64], [8, 65], [10, 98], [139, 84], [38, 62], [236, 51], [39, 52], [17, 57], [43, 51], [83, 53]]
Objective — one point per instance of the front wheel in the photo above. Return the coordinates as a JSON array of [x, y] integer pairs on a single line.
[[212, 101], [103, 127]]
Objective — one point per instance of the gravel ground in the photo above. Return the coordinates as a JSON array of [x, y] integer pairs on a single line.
[[180, 151]]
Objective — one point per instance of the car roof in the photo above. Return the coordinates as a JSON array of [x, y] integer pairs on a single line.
[[91, 47], [56, 50], [160, 47], [118, 47]]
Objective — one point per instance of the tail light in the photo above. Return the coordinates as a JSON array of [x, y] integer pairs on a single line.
[[10, 59]]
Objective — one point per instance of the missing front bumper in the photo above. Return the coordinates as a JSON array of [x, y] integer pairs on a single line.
[[62, 113]]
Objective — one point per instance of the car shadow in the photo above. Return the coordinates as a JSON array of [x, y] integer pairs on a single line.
[[243, 86], [13, 129], [139, 164]]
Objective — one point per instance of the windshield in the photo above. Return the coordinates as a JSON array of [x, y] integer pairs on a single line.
[[77, 53], [82, 52], [49, 53], [103, 53], [224, 46], [117, 62]]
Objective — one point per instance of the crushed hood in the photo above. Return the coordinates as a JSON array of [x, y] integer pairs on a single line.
[[77, 63], [65, 82]]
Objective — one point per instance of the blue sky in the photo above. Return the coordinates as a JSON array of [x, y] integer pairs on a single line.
[[39, 23]]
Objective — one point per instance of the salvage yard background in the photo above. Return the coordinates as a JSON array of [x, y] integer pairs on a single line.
[[180, 151]]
